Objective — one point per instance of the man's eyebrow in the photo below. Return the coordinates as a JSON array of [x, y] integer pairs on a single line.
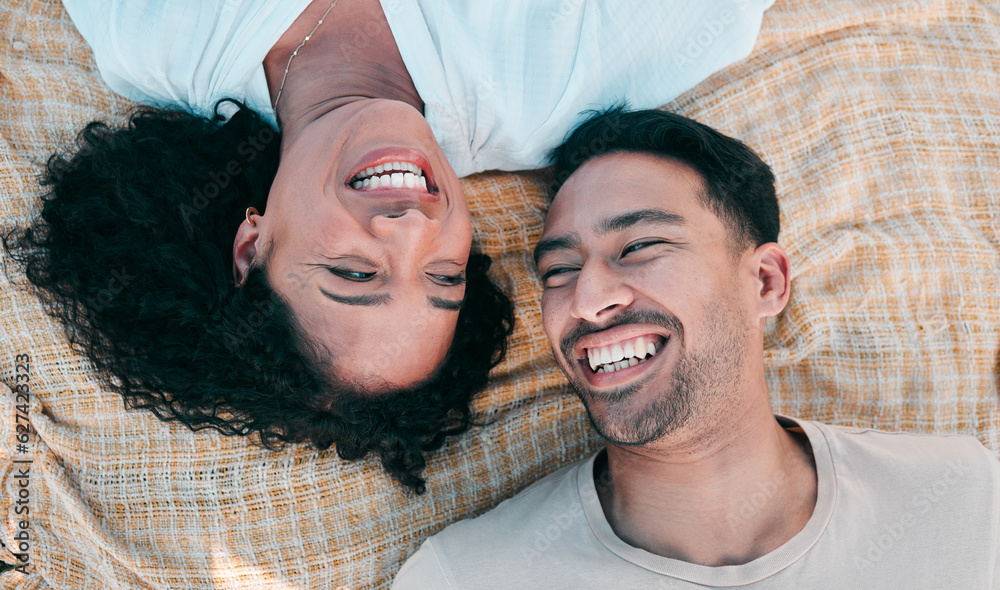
[[611, 224], [363, 300], [554, 243], [627, 220], [446, 304]]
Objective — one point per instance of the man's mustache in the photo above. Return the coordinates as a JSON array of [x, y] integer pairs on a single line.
[[663, 319]]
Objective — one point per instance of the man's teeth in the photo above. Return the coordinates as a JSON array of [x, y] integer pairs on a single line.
[[390, 175], [609, 359]]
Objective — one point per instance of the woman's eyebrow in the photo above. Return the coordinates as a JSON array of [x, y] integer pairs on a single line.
[[363, 300], [446, 304], [384, 298]]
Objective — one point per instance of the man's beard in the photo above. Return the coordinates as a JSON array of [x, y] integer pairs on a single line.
[[699, 378]]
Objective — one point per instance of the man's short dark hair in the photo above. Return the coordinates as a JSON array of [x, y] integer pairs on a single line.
[[739, 186]]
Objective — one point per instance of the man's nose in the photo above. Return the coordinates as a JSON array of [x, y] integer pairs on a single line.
[[411, 228], [599, 293]]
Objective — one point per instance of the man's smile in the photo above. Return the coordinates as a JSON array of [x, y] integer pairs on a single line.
[[618, 355], [621, 355]]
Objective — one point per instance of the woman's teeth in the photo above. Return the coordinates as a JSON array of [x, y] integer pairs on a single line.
[[622, 355], [390, 175]]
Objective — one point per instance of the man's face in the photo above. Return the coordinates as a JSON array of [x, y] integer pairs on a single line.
[[636, 270]]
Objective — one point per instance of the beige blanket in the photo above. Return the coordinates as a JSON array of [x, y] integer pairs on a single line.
[[882, 123]]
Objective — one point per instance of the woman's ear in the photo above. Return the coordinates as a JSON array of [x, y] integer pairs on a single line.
[[774, 275], [244, 249]]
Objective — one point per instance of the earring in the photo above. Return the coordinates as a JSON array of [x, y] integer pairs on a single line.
[[251, 210]]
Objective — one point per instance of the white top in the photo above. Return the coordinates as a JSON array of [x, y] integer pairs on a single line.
[[893, 510], [502, 81]]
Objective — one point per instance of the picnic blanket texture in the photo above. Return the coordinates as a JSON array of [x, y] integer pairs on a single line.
[[881, 121]]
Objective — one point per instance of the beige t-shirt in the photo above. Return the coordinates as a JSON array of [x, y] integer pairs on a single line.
[[893, 510]]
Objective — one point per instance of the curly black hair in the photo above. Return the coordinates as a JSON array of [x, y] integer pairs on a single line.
[[132, 252]]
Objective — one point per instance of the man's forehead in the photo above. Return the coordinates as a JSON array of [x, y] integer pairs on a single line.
[[620, 183], [634, 166]]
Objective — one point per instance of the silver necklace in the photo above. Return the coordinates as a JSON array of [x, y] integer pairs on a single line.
[[296, 52]]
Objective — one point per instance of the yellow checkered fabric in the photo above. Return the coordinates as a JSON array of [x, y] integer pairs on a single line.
[[882, 123]]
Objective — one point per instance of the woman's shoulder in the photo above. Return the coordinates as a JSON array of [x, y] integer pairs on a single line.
[[185, 53]]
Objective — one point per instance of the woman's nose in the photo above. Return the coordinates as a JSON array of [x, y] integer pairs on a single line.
[[410, 226]]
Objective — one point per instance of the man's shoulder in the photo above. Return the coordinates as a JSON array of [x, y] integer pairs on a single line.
[[519, 530], [936, 494], [903, 444], [909, 456], [535, 506]]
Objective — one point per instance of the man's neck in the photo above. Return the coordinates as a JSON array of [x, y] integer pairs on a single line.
[[718, 497], [351, 56]]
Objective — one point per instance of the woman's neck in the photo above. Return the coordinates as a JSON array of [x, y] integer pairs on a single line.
[[351, 56]]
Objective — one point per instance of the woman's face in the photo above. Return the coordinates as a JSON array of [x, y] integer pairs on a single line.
[[373, 273]]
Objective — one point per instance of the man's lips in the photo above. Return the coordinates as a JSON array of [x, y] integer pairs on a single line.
[[625, 371], [618, 335], [624, 354], [619, 355]]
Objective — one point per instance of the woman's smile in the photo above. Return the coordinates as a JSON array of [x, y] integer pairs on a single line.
[[351, 186]]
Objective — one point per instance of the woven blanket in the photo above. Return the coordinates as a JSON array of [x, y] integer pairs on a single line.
[[882, 123]]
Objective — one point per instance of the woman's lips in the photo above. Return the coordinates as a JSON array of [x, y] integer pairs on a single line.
[[391, 175], [393, 169]]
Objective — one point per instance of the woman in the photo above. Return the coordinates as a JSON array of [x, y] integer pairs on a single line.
[[321, 287]]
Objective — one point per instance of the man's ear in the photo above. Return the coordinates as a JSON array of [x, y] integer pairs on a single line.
[[244, 250], [773, 272]]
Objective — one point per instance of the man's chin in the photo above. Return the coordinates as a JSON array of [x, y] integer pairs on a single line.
[[626, 417], [616, 434]]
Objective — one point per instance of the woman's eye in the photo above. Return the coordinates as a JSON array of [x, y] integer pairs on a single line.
[[353, 275], [449, 280]]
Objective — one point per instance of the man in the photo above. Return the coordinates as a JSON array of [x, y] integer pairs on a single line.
[[660, 267]]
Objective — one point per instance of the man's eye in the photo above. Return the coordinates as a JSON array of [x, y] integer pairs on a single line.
[[353, 275], [635, 246], [449, 280], [557, 276]]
